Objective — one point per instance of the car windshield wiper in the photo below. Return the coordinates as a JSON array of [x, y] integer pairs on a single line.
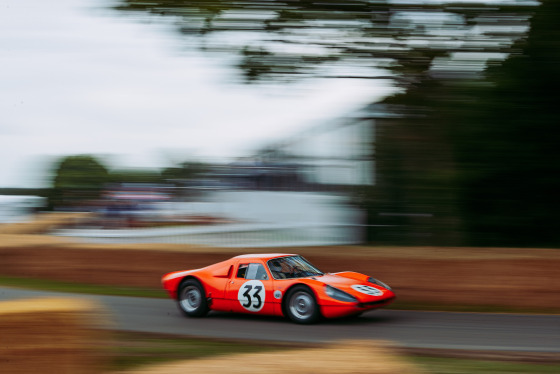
[[313, 274]]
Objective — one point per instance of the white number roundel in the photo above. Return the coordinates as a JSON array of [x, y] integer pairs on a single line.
[[368, 290], [251, 295]]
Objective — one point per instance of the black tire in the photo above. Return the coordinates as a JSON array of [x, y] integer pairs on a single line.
[[191, 299], [301, 307]]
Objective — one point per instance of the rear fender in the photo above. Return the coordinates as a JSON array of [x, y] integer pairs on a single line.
[[171, 281]]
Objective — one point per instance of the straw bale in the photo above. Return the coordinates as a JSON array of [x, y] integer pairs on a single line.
[[345, 357], [51, 335], [43, 222]]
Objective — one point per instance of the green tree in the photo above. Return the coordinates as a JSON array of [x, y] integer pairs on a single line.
[[184, 171], [480, 154], [76, 179], [508, 144]]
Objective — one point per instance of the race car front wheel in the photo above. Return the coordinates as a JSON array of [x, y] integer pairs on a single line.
[[301, 306], [192, 299]]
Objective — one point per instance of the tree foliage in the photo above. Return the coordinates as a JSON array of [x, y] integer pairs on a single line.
[[480, 155], [509, 144], [77, 179], [184, 171], [285, 40]]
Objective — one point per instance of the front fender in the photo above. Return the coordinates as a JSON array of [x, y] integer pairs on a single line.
[[353, 275]]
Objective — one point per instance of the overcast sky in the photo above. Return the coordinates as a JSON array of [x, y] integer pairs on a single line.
[[78, 78]]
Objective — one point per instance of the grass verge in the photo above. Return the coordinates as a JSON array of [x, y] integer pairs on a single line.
[[92, 289]]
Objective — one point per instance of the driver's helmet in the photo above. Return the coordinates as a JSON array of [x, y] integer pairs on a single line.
[[275, 266]]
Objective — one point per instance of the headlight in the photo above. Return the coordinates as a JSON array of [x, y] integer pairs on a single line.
[[379, 283], [337, 294]]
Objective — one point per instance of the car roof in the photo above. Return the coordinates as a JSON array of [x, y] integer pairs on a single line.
[[265, 256]]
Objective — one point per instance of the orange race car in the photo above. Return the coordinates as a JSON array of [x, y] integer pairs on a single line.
[[275, 284]]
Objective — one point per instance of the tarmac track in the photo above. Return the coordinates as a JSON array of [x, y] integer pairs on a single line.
[[408, 329]]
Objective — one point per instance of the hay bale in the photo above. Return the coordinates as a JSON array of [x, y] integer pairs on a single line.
[[44, 222], [355, 357], [50, 335]]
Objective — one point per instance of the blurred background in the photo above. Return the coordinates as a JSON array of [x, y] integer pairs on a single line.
[[292, 122]]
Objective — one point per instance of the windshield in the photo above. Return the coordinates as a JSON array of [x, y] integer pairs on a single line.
[[292, 267]]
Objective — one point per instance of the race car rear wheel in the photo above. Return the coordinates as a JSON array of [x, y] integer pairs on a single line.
[[192, 298], [301, 306]]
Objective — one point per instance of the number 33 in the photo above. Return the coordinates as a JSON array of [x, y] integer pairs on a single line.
[[256, 295], [252, 295]]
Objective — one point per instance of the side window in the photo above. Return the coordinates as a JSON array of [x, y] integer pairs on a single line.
[[242, 270], [256, 271], [251, 271]]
